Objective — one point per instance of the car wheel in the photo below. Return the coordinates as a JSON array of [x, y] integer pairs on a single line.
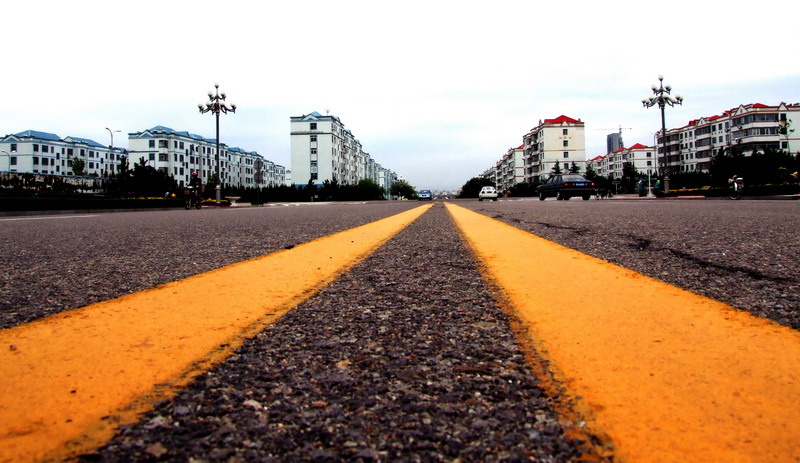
[[495, 199], [586, 197], [480, 199], [542, 196], [559, 196]]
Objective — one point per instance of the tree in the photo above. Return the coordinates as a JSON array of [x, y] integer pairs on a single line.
[[401, 188], [369, 190], [78, 167], [574, 168], [148, 181], [590, 174], [556, 169], [473, 187], [629, 176]]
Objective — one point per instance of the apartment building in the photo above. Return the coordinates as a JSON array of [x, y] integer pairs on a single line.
[[642, 157], [561, 140], [323, 149], [745, 129], [181, 153], [510, 169], [39, 152]]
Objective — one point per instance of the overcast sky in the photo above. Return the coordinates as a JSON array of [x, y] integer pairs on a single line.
[[435, 90]]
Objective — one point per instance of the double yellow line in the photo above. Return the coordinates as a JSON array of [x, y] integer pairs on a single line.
[[665, 374]]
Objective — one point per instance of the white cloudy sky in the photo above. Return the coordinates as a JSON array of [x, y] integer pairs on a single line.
[[436, 90]]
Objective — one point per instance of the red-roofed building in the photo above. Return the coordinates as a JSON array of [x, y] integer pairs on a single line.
[[559, 141], [642, 157], [746, 129]]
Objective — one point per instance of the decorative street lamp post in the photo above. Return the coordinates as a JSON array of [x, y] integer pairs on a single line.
[[662, 98], [216, 104]]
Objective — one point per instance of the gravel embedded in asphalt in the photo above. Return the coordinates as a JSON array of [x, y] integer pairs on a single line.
[[404, 358]]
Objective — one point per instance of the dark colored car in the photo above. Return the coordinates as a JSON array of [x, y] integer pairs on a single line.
[[565, 186]]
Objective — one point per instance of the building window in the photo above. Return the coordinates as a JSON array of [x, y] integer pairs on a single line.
[[35, 148], [152, 156], [151, 143], [566, 155], [13, 147], [35, 161], [161, 157], [566, 143], [163, 143], [313, 126], [565, 131]]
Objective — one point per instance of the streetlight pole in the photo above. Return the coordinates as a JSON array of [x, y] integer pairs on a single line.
[[216, 104], [662, 98], [111, 148]]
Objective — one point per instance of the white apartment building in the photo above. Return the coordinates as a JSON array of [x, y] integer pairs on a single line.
[[322, 149], [39, 152], [561, 140], [510, 169], [746, 129], [642, 157], [181, 153]]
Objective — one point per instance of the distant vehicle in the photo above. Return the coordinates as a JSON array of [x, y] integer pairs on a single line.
[[487, 192], [424, 194], [565, 186]]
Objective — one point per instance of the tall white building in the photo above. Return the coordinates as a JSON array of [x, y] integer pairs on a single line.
[[510, 169], [38, 152], [561, 140], [323, 149], [181, 153]]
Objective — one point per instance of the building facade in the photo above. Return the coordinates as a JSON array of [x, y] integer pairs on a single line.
[[510, 169], [181, 153], [39, 152], [323, 149], [614, 142], [559, 141], [642, 157], [175, 153], [746, 129]]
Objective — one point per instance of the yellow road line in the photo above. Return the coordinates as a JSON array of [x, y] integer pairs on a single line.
[[668, 375], [67, 380]]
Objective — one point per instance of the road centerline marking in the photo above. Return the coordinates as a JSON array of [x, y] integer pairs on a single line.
[[669, 375], [64, 376]]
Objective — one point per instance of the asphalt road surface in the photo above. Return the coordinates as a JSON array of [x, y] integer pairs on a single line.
[[404, 358]]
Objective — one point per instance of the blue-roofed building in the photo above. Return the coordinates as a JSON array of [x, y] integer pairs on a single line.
[[37, 152], [181, 153]]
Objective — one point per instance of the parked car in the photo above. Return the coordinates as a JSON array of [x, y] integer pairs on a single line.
[[424, 194], [487, 192], [565, 186]]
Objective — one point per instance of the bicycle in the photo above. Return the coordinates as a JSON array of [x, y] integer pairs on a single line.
[[737, 183]]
